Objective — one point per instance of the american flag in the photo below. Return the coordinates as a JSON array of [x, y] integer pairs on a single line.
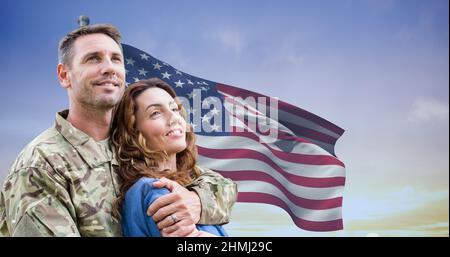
[[277, 153]]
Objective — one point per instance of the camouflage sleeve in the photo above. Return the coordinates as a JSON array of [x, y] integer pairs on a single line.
[[217, 196], [35, 202]]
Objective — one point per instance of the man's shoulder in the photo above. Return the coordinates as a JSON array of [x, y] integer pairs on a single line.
[[47, 143]]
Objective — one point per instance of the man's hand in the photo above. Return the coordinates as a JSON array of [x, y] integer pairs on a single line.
[[176, 213]]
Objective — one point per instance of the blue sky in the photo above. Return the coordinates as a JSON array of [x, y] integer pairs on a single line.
[[377, 68]]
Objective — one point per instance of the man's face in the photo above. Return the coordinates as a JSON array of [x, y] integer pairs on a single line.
[[96, 77]]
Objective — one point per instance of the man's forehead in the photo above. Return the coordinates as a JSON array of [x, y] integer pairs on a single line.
[[96, 43]]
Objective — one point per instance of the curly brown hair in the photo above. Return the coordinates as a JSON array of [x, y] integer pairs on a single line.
[[135, 157]]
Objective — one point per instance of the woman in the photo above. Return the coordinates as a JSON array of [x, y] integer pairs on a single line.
[[152, 142]]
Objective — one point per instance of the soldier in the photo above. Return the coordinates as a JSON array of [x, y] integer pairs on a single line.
[[64, 182]]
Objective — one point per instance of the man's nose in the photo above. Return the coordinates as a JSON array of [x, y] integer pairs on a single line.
[[108, 67]]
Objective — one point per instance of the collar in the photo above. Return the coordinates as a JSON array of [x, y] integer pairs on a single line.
[[92, 152]]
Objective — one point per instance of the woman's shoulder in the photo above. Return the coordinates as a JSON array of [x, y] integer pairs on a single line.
[[144, 183]]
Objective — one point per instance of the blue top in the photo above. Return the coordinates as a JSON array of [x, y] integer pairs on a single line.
[[135, 221]]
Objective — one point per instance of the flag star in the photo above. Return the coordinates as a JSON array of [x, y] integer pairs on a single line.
[[215, 111], [198, 83], [191, 111], [205, 103], [130, 61], [204, 88], [204, 83], [190, 82], [215, 127], [136, 79], [144, 56], [166, 75], [142, 72], [205, 118], [179, 84], [126, 84], [178, 72], [157, 66], [191, 95]]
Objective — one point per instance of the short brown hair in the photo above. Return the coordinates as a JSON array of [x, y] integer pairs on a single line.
[[65, 52]]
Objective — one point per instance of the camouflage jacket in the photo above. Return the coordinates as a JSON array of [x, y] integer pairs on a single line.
[[64, 182]]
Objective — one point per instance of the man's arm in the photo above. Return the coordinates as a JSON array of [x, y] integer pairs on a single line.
[[217, 196], [35, 202], [209, 201]]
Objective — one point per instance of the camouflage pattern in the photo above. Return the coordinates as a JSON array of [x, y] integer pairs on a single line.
[[217, 196], [64, 182]]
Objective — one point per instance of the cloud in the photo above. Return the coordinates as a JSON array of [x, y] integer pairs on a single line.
[[429, 110], [230, 39]]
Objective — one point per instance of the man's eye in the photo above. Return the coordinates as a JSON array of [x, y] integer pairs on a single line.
[[93, 58], [117, 59]]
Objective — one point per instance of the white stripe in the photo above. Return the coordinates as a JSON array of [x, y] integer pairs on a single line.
[[299, 212], [292, 118], [236, 141], [234, 165]]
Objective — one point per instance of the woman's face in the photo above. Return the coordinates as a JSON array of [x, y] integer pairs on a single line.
[[160, 121]]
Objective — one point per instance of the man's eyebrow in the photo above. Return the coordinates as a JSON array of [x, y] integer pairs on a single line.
[[90, 54], [117, 54]]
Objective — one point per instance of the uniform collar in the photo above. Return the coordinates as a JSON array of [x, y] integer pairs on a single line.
[[92, 152]]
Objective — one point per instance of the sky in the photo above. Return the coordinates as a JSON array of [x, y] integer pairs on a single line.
[[377, 68]]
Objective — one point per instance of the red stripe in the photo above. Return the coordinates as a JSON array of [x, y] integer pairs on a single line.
[[292, 157], [234, 91], [250, 154], [251, 175], [319, 226], [297, 129]]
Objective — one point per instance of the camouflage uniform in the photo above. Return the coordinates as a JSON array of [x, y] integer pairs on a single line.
[[64, 182]]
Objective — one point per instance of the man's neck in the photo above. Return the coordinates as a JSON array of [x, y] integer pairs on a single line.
[[95, 123]]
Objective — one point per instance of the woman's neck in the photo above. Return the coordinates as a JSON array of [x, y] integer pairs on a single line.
[[170, 164]]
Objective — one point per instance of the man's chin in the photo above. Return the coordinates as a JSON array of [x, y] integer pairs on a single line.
[[107, 103]]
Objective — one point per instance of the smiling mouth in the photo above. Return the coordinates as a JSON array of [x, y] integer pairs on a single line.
[[107, 83], [175, 132]]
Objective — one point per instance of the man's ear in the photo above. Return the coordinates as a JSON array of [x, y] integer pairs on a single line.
[[63, 75]]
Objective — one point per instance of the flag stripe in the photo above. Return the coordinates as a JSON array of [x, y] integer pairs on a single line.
[[252, 175], [299, 212], [240, 113], [294, 168], [318, 226], [250, 154], [285, 116], [231, 90]]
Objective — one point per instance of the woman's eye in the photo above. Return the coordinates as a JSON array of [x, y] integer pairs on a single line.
[[154, 114]]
